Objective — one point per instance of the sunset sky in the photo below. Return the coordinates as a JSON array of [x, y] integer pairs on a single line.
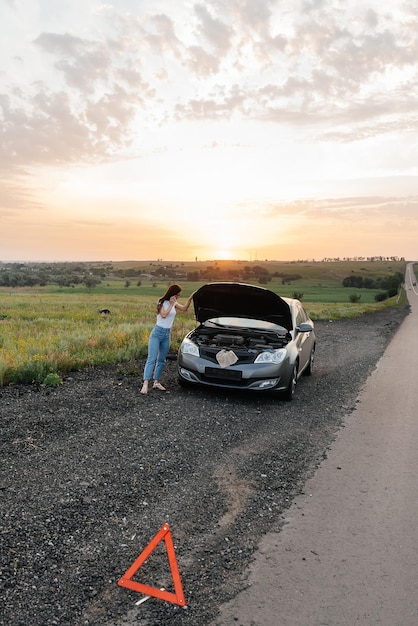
[[208, 129]]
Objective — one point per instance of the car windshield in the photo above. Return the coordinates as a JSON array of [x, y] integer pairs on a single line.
[[241, 322]]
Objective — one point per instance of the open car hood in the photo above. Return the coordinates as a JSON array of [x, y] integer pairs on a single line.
[[241, 300]]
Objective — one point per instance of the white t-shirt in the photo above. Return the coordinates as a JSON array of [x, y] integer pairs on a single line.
[[167, 322]]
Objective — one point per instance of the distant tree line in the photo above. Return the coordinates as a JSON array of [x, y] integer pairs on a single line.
[[362, 258], [62, 274], [90, 275], [388, 284], [246, 273], [391, 281]]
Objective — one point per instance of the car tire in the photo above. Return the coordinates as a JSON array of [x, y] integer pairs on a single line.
[[290, 391], [309, 368]]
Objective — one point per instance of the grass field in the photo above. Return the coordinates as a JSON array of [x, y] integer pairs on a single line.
[[51, 330]]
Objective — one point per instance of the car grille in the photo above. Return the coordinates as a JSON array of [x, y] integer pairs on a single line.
[[223, 374]]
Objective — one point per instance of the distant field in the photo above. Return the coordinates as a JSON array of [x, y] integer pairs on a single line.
[[46, 330]]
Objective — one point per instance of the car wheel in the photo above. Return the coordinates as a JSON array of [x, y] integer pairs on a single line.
[[289, 393], [309, 367]]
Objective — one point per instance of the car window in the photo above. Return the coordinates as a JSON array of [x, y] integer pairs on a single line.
[[301, 316]]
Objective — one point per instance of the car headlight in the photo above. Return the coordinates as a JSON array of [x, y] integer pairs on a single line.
[[272, 356], [188, 347]]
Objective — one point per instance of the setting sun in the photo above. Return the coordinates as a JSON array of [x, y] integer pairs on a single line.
[[218, 238], [224, 255]]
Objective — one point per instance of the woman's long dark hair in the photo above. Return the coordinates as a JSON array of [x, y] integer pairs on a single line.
[[173, 290]]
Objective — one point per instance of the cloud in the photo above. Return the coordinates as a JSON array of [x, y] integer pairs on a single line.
[[338, 227], [352, 210], [330, 66], [216, 33], [14, 195], [328, 71], [326, 65], [219, 105], [61, 45], [201, 62], [47, 131], [159, 33], [250, 16], [88, 119]]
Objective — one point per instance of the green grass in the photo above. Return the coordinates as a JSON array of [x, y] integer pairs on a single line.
[[53, 330], [45, 331]]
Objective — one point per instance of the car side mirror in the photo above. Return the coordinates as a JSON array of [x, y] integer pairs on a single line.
[[304, 328]]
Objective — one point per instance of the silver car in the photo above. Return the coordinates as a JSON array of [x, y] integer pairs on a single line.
[[248, 338]]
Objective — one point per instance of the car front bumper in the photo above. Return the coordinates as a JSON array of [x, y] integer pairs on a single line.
[[254, 376]]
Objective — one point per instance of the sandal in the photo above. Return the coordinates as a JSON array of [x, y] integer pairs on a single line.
[[159, 386]]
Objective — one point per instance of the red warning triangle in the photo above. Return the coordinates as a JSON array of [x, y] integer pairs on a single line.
[[126, 581]]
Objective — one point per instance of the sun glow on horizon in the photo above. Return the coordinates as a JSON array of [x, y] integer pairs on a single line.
[[221, 238], [224, 255]]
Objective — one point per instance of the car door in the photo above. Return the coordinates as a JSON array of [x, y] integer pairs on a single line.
[[304, 340]]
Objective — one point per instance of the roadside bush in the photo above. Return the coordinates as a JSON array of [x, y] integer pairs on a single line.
[[379, 297], [355, 297], [353, 281], [297, 295], [52, 380]]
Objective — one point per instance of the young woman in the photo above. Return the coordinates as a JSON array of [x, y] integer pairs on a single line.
[[159, 340]]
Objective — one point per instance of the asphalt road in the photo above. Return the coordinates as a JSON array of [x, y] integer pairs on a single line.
[[348, 554]]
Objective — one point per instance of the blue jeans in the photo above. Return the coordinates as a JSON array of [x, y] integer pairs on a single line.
[[158, 346]]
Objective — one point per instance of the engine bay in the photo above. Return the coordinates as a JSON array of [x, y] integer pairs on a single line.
[[243, 339]]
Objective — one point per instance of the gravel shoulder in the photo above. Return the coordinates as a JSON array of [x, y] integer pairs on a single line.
[[91, 470]]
